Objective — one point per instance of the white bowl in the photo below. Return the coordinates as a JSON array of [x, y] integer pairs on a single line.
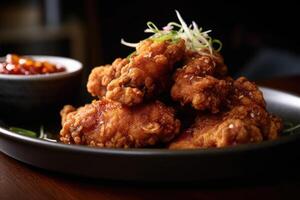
[[39, 94]]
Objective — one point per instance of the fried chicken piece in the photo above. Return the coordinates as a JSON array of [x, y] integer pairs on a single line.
[[64, 113], [210, 64], [100, 77], [204, 93], [240, 125], [245, 120], [202, 83], [145, 74], [106, 123], [245, 93]]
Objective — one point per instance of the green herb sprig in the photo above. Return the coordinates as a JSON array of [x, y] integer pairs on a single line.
[[196, 39], [290, 128], [24, 132]]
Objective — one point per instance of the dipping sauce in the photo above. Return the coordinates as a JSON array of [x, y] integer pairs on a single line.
[[18, 65]]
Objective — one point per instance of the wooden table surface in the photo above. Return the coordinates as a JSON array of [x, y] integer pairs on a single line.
[[21, 181]]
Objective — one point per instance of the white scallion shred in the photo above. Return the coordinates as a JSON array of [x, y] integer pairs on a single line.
[[128, 43], [195, 38], [44, 135]]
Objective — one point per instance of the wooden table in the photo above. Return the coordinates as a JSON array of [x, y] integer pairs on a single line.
[[21, 181]]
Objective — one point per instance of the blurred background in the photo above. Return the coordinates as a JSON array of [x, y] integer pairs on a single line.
[[260, 39]]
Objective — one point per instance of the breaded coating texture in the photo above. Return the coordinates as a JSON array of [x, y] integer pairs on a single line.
[[240, 125], [201, 83], [245, 93], [106, 123], [244, 120], [145, 74], [64, 113]]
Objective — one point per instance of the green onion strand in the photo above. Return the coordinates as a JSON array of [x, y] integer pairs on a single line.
[[24, 132], [219, 43], [152, 27], [291, 129], [196, 39]]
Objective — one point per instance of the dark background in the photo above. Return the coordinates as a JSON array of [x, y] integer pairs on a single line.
[[262, 35]]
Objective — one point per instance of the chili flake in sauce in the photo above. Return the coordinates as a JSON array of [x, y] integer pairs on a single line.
[[18, 65]]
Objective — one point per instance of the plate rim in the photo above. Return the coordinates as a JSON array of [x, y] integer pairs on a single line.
[[152, 151]]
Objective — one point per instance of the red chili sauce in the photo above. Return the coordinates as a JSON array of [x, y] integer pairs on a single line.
[[18, 65]]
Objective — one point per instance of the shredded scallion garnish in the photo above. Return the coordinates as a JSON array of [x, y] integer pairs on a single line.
[[44, 135], [24, 132], [291, 128], [29, 133], [195, 38]]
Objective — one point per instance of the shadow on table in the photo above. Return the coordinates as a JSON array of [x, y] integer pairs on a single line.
[[289, 175]]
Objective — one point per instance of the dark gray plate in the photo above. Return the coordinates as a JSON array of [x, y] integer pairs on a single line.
[[162, 164]]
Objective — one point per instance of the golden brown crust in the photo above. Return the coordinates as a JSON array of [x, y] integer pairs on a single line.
[[245, 93], [244, 119], [201, 83], [229, 112], [203, 93], [241, 125], [146, 73], [65, 111], [106, 123]]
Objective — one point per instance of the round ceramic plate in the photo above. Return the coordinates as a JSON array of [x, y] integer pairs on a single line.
[[163, 164]]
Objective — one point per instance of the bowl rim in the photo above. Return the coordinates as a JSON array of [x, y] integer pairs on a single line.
[[70, 70]]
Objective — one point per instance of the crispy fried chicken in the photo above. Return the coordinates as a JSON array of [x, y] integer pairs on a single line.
[[106, 123], [201, 82], [244, 120], [146, 73]]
